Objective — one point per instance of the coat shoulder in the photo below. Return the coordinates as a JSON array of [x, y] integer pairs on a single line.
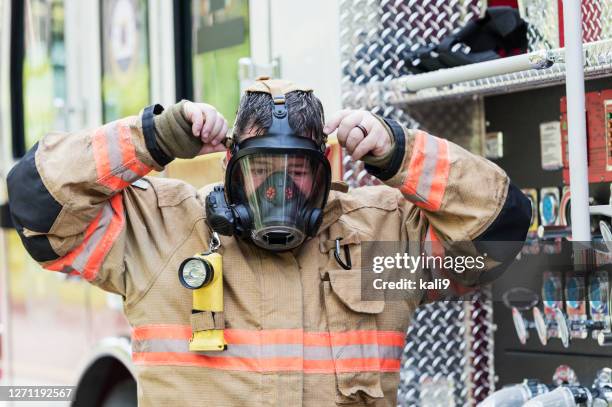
[[371, 211], [170, 191], [375, 196]]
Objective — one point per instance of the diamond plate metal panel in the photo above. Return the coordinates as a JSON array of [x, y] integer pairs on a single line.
[[462, 121], [596, 20], [433, 367], [542, 17], [376, 34], [544, 30], [481, 346], [448, 359]]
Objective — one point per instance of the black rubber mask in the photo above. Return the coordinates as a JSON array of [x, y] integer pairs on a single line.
[[276, 186]]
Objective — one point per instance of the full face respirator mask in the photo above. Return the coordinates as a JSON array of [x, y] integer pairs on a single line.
[[276, 184]]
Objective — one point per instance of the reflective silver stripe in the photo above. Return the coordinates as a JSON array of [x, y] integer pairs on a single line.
[[317, 353], [390, 352], [368, 351], [237, 351], [115, 154], [113, 147], [161, 345], [94, 239], [127, 175], [430, 161], [356, 351], [274, 351]]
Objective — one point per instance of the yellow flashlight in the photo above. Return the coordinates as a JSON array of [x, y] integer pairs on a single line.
[[203, 273]]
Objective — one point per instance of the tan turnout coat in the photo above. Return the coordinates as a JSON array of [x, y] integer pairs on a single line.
[[298, 332]]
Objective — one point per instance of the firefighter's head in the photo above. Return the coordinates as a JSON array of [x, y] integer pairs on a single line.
[[305, 114], [278, 176]]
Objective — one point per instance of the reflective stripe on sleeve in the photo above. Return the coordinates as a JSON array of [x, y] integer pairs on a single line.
[[115, 155], [427, 172], [273, 350], [87, 258]]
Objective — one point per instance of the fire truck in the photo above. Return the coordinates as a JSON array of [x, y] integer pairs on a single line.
[[74, 64]]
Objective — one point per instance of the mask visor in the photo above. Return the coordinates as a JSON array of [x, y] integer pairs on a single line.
[[281, 192]]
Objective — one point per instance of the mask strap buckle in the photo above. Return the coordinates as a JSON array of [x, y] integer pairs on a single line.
[[347, 253]]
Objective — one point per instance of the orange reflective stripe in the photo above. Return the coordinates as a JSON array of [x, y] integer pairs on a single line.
[[129, 152], [117, 165], [438, 185], [114, 183], [100, 235], [110, 236], [102, 157], [366, 365], [100, 151], [161, 331], [352, 365], [273, 350], [66, 261], [276, 336], [390, 365], [317, 339], [319, 366], [427, 172], [357, 365], [271, 336], [415, 166], [431, 234], [215, 362], [267, 364], [388, 338], [234, 336]]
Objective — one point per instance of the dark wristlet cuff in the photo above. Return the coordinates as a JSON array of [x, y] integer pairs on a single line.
[[399, 150], [148, 128]]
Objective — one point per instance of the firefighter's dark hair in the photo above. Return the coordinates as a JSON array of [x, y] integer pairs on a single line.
[[305, 114]]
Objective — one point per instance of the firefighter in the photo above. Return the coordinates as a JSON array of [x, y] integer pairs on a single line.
[[296, 328]]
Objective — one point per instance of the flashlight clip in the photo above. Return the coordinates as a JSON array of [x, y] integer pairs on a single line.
[[214, 244]]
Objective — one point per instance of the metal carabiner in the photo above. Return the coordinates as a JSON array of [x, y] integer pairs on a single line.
[[215, 242], [347, 253]]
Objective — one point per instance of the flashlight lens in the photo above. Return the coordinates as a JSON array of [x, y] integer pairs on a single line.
[[195, 273]]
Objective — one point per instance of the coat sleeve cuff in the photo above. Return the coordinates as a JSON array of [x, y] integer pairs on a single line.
[[173, 133], [384, 168], [148, 129]]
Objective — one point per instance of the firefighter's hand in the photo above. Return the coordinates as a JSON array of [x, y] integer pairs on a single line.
[[377, 142], [207, 124]]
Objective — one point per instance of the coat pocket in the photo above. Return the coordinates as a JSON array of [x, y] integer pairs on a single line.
[[354, 337]]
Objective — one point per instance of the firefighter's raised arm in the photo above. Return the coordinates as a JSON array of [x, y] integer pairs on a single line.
[[73, 196], [451, 194]]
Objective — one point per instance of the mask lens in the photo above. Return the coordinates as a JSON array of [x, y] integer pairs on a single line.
[[280, 190]]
